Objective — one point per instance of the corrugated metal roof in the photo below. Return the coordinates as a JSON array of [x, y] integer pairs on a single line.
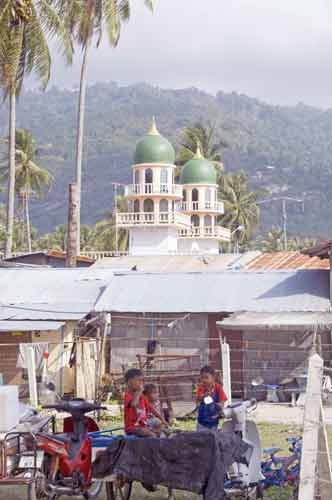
[[177, 263], [227, 291], [50, 294], [286, 261], [30, 326], [276, 321]]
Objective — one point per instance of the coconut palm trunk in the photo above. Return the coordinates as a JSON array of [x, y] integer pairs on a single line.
[[80, 138], [11, 177], [27, 220]]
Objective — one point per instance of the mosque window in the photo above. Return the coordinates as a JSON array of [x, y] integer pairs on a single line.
[[148, 205], [195, 220], [163, 176], [207, 221], [194, 195], [148, 176], [163, 206]]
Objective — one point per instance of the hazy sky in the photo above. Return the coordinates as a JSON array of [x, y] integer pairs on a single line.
[[276, 50]]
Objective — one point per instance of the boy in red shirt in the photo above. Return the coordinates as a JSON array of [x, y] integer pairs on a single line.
[[137, 407], [208, 414]]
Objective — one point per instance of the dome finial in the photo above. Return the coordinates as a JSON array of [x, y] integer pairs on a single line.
[[198, 155], [153, 129]]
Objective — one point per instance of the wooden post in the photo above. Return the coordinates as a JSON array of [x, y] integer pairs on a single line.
[[324, 469], [226, 368], [72, 232], [312, 422], [31, 367]]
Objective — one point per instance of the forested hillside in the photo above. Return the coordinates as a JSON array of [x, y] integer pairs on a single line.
[[286, 150]]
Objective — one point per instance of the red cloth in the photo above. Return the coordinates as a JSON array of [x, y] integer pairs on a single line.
[[203, 391], [135, 416]]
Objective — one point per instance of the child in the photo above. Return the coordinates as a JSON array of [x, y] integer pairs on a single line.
[[137, 407], [151, 394], [208, 413]]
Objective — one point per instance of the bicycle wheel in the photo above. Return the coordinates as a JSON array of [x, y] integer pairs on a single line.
[[118, 490]]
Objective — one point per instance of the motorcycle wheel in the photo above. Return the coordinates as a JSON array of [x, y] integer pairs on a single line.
[[118, 490], [93, 492]]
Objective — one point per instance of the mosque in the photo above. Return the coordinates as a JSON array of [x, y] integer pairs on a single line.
[[167, 217]]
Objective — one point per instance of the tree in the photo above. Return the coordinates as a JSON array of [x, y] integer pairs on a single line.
[[272, 241], [206, 138], [107, 236], [25, 26], [30, 178], [85, 20], [241, 209]]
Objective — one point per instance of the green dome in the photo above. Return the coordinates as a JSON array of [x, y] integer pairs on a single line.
[[198, 170], [154, 148]]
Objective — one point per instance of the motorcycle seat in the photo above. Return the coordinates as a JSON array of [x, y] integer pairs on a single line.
[[271, 451]]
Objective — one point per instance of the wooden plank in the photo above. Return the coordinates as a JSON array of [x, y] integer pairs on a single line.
[[312, 421], [31, 367], [226, 369], [324, 462]]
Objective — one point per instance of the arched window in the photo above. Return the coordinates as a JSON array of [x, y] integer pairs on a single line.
[[208, 195], [148, 205], [207, 221], [163, 206], [148, 176], [163, 176], [184, 195], [136, 206], [195, 220], [137, 177], [194, 195]]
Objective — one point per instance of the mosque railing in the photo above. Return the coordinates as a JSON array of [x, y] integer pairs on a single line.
[[218, 232], [155, 188], [203, 206], [152, 218]]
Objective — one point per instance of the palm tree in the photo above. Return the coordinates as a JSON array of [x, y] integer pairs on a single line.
[[25, 26], [272, 241], [241, 209], [204, 137], [107, 235], [85, 20], [30, 178]]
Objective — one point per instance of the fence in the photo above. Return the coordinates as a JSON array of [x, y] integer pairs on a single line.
[[316, 472]]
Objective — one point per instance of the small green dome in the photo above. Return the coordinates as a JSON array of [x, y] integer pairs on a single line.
[[154, 148], [198, 170]]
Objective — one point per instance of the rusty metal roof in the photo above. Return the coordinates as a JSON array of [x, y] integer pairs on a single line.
[[285, 261], [323, 250]]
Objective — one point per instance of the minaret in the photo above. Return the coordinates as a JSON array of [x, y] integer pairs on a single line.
[[154, 215], [200, 203]]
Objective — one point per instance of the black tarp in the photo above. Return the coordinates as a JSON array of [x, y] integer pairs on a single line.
[[192, 461]]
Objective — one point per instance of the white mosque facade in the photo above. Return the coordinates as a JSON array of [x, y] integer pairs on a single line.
[[165, 217]]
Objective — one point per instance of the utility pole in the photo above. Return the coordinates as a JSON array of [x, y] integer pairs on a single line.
[[284, 200], [72, 232]]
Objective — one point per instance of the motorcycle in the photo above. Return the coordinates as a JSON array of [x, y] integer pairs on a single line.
[[67, 457]]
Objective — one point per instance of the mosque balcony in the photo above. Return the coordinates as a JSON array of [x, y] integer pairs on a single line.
[[131, 219], [216, 207], [215, 232], [158, 189]]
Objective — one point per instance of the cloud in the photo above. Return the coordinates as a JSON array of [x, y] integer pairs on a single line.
[[277, 50]]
